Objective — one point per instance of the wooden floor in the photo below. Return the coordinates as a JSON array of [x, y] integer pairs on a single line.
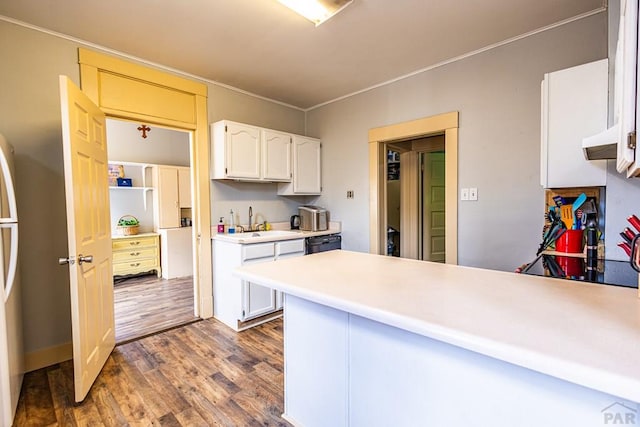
[[145, 305], [202, 374]]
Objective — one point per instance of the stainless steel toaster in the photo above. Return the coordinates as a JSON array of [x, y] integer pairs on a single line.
[[313, 218]]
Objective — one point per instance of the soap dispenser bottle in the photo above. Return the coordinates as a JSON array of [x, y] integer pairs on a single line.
[[232, 227], [221, 225]]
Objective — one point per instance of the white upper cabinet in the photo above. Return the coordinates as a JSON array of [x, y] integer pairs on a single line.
[[276, 155], [629, 157], [250, 153], [619, 140], [574, 106], [235, 151], [307, 168]]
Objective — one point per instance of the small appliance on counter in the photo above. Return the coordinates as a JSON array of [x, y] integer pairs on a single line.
[[313, 218], [295, 222]]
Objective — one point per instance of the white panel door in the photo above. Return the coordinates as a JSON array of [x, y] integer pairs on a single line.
[[184, 187], [89, 234], [433, 229], [168, 199]]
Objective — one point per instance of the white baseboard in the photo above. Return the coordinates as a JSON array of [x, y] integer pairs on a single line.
[[48, 356]]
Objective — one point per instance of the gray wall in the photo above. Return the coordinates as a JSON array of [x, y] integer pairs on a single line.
[[498, 96], [30, 120]]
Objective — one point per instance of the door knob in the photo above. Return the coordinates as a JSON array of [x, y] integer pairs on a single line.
[[88, 258], [65, 261]]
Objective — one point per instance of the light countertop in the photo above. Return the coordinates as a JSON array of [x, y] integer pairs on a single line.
[[588, 334], [251, 237]]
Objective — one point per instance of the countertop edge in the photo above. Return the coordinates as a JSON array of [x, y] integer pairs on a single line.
[[300, 234], [562, 368]]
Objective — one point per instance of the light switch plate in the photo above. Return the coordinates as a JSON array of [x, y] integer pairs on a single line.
[[473, 193], [464, 194]]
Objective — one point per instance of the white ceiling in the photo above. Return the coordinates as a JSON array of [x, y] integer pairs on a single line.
[[262, 47]]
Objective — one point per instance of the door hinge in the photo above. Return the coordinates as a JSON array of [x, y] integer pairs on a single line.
[[242, 313], [631, 140], [225, 128], [225, 171]]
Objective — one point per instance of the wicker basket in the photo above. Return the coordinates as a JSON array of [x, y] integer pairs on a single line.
[[128, 230]]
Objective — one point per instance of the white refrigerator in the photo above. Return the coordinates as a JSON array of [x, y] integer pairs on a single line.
[[11, 346]]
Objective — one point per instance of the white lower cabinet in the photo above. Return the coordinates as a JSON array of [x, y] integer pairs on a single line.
[[241, 304]]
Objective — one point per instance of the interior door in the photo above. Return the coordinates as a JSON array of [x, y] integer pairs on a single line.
[[433, 239], [89, 234]]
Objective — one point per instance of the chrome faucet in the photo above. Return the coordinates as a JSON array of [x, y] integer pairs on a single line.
[[250, 218]]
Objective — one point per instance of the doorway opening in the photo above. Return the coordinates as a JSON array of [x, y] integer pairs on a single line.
[[153, 282], [415, 198], [424, 233]]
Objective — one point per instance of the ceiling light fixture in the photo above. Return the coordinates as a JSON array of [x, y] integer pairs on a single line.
[[316, 11]]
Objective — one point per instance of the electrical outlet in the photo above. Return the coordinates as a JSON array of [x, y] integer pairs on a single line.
[[350, 194], [473, 194], [464, 194]]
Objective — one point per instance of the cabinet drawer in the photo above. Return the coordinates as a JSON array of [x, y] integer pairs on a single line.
[[136, 266], [290, 247], [118, 244], [135, 254], [258, 250]]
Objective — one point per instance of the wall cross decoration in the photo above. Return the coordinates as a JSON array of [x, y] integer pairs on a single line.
[[144, 129]]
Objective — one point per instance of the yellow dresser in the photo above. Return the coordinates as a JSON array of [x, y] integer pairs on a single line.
[[136, 254]]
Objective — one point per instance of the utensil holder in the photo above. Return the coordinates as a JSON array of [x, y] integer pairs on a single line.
[[570, 242]]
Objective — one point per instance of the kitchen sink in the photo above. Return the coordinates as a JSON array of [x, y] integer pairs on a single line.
[[260, 236], [272, 233]]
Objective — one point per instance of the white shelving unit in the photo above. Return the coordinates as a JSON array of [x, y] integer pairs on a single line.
[[140, 174]]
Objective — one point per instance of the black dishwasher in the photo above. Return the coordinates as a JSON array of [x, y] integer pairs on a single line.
[[322, 243]]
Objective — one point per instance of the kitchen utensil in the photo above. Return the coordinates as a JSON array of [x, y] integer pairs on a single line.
[[633, 220], [545, 244], [626, 238], [576, 205], [630, 234], [566, 213], [625, 246], [551, 235], [552, 215]]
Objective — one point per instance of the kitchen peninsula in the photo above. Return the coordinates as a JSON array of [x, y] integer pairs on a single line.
[[373, 340]]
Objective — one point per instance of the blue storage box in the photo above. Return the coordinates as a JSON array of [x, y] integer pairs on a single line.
[[124, 182]]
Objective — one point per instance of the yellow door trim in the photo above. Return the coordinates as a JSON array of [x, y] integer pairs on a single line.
[[160, 111]]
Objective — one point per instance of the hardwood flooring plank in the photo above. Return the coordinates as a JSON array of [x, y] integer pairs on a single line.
[[126, 395], [145, 305], [38, 404], [191, 418], [107, 406], [168, 420], [152, 397], [202, 374], [172, 396]]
